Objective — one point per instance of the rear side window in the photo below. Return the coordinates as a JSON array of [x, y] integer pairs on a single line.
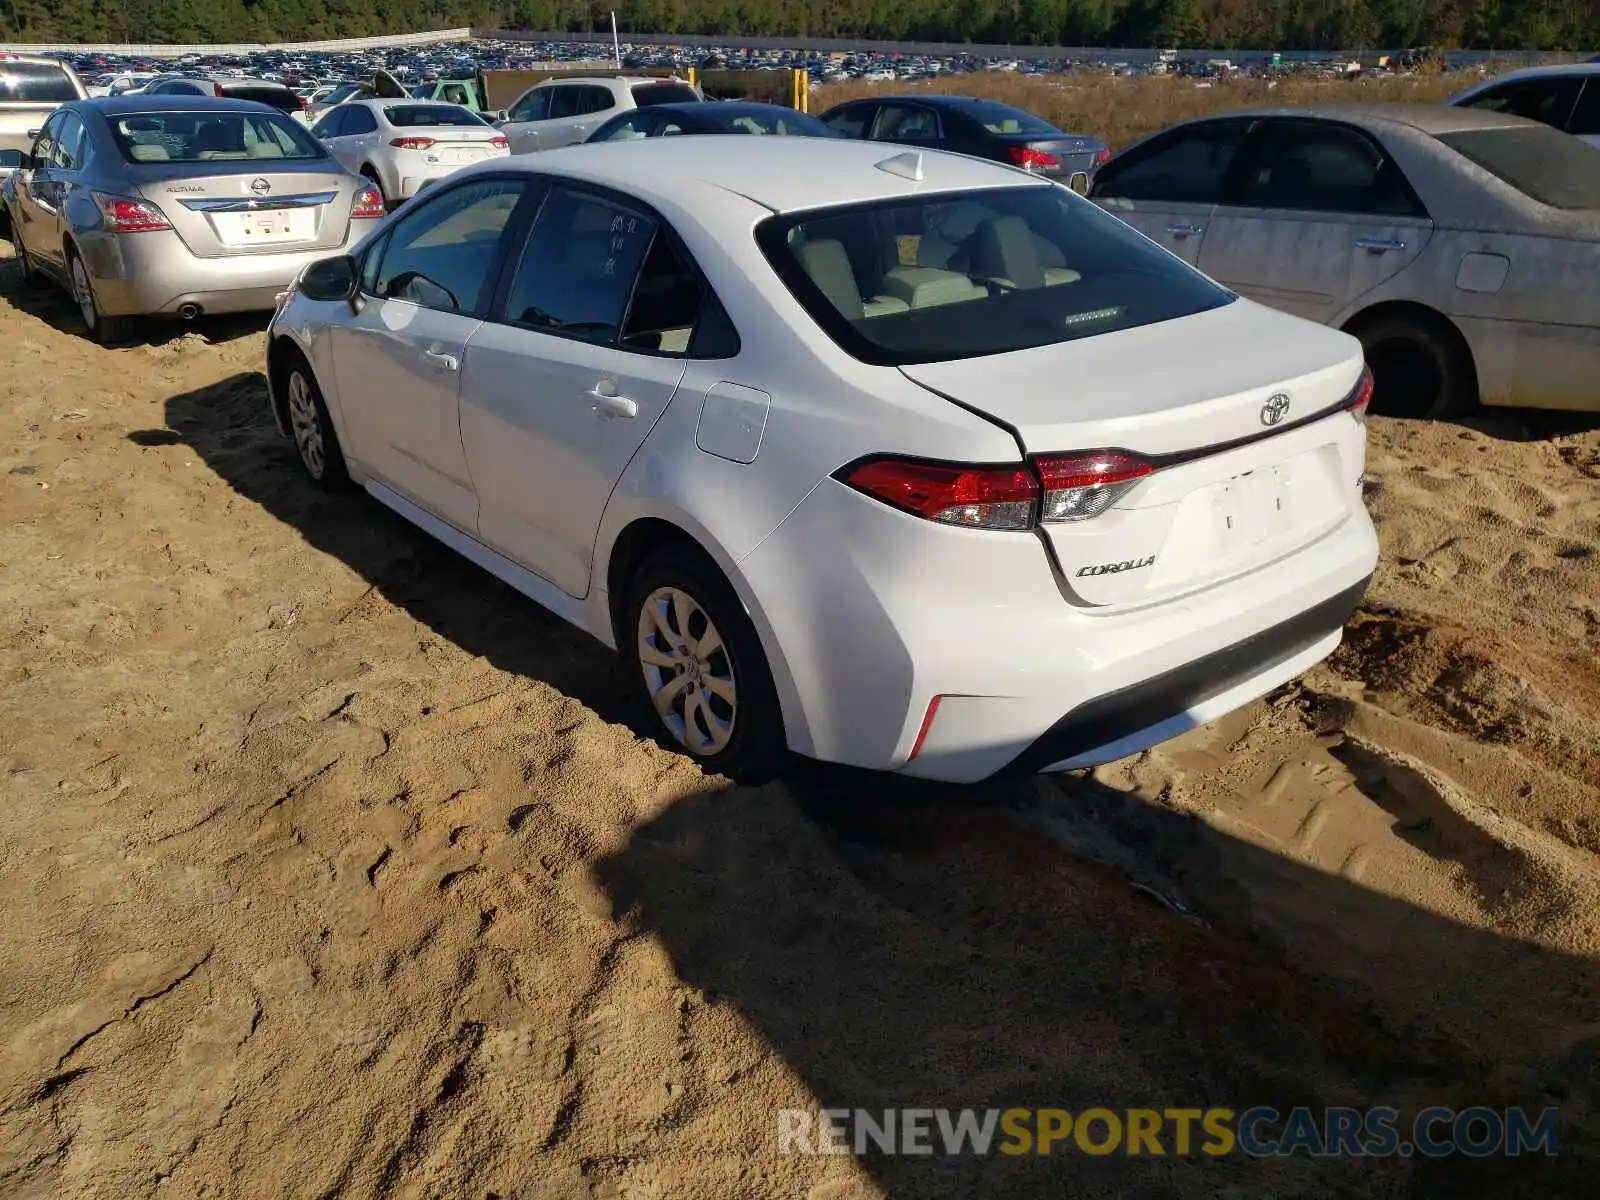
[[667, 92], [906, 122], [1544, 164], [1585, 119], [597, 99], [983, 272], [852, 121], [1186, 166], [35, 83], [211, 137], [1323, 167], [1548, 101], [413, 116]]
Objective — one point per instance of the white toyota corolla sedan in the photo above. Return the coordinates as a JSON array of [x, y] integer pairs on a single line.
[[897, 459]]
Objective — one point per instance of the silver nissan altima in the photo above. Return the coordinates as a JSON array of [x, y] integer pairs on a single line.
[[177, 206]]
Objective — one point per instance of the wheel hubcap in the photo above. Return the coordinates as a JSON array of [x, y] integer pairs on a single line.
[[305, 424], [83, 294], [687, 671]]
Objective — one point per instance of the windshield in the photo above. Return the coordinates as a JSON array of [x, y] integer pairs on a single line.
[[35, 83], [1552, 167], [189, 137], [666, 92], [976, 273], [413, 116], [765, 119], [1003, 119]]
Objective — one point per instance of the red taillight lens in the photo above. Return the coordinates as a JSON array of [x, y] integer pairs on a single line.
[[216, 89], [1102, 155], [977, 497], [500, 143], [1078, 487], [1361, 395], [368, 205], [411, 143], [1030, 159], [119, 214]]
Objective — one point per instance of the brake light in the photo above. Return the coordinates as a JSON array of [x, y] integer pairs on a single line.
[[1102, 155], [955, 494], [1078, 487], [411, 143], [119, 214], [368, 205], [1361, 395], [500, 143], [216, 89], [1030, 159]]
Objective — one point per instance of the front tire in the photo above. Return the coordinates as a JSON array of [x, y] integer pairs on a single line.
[[315, 439], [30, 277], [697, 669], [1420, 368], [103, 330]]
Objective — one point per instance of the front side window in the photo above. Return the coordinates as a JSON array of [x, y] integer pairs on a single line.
[[1548, 101], [35, 83], [444, 253], [535, 106], [1547, 165], [332, 125], [1322, 167], [1186, 166], [211, 137], [44, 146], [69, 143], [976, 273]]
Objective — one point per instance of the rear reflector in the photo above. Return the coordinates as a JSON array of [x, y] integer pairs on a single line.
[[119, 214], [1030, 159], [1361, 395], [412, 143], [955, 494], [1080, 486], [927, 724], [368, 205]]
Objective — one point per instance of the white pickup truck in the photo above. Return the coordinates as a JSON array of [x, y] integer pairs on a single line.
[[30, 90]]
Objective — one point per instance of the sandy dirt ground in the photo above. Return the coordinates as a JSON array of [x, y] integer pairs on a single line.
[[331, 868]]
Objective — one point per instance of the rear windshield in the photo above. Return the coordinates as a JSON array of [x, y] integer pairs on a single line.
[[261, 93], [1552, 167], [646, 94], [412, 116], [975, 273], [189, 137], [1003, 119], [35, 83]]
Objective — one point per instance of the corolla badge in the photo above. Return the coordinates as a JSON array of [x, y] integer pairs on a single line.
[[1275, 409], [260, 186]]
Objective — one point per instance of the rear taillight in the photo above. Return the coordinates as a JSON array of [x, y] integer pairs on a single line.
[[1030, 159], [500, 143], [1361, 395], [1102, 155], [411, 143], [216, 89], [955, 494], [299, 103], [368, 205], [1080, 486], [119, 214]]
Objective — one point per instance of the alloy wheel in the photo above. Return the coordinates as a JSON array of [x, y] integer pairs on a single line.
[[84, 294], [687, 671], [306, 425]]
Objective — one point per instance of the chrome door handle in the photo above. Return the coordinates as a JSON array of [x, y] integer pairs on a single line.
[[1379, 245], [1186, 230], [611, 404], [442, 361]]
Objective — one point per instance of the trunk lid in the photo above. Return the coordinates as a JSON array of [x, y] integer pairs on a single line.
[[228, 208], [1237, 409]]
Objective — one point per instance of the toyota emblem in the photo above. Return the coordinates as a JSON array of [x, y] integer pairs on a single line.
[[1275, 409], [260, 186]]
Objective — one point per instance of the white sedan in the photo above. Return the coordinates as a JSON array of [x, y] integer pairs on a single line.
[[404, 145], [897, 459]]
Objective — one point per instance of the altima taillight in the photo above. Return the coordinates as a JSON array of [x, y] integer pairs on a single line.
[[1360, 396], [1051, 488], [121, 214], [368, 205]]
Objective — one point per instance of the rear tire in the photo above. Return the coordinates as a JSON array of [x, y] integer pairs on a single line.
[[696, 666], [1421, 367], [103, 330], [315, 439]]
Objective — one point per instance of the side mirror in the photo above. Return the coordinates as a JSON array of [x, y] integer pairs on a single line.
[[18, 159], [1079, 182], [331, 279], [35, 134]]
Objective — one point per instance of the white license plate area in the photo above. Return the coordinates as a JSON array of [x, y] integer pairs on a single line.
[[459, 154], [1252, 508], [266, 227]]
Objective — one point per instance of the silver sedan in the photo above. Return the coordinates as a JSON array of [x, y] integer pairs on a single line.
[[178, 205], [1462, 247]]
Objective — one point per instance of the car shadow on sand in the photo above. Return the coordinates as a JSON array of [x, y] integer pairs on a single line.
[[904, 945]]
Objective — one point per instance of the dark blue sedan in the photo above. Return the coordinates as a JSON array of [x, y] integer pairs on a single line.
[[722, 116]]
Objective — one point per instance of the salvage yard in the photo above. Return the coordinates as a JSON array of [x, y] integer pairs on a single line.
[[330, 867]]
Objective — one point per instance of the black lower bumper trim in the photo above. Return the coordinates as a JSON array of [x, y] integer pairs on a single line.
[[1108, 718]]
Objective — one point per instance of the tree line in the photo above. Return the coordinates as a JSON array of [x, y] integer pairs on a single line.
[[1572, 25]]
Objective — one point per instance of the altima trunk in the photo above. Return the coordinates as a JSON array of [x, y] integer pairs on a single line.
[[1241, 448], [232, 209]]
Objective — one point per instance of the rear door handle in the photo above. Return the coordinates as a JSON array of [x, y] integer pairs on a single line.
[[610, 404], [1186, 230], [442, 361], [1379, 245]]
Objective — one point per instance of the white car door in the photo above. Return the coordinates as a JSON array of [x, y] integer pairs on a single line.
[[563, 386], [524, 120], [1167, 187], [1323, 216], [398, 359]]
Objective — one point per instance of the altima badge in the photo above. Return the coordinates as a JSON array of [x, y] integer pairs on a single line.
[[1275, 409]]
